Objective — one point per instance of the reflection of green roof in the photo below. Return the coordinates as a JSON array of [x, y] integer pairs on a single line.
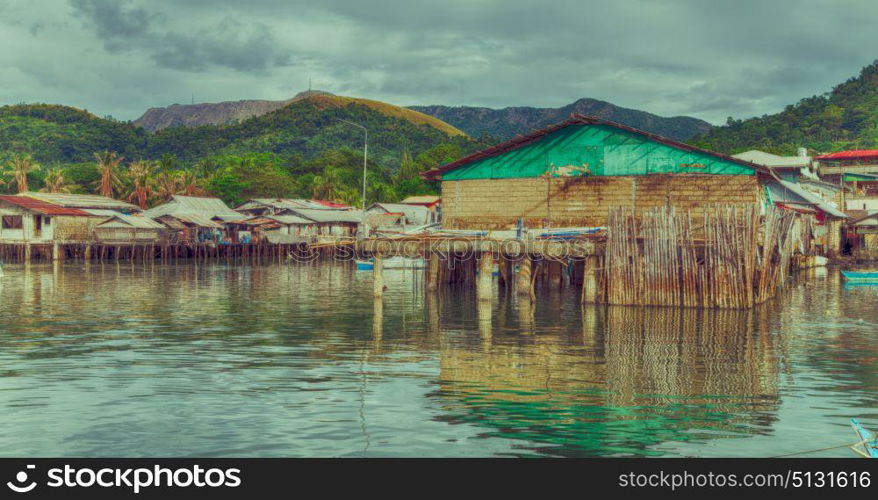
[[565, 428]]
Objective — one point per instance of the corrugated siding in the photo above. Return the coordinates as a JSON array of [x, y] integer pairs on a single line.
[[603, 150]]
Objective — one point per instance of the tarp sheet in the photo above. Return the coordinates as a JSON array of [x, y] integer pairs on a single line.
[[596, 150]]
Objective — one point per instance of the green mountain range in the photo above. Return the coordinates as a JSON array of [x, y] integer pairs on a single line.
[[306, 148], [304, 128], [508, 122], [845, 118]]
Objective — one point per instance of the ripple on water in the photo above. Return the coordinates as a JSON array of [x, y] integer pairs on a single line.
[[220, 360]]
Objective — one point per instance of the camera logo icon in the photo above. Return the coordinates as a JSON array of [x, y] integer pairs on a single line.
[[20, 479]]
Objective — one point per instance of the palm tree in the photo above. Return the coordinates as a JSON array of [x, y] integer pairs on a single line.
[[328, 185], [188, 183], [166, 185], [108, 166], [55, 182], [19, 166], [140, 177]]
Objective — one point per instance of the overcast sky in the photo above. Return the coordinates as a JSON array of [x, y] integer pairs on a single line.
[[704, 58]]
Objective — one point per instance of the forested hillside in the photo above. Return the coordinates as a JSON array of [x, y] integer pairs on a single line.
[[507, 122], [845, 118], [303, 149]]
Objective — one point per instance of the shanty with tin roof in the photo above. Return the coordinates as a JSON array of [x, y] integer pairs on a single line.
[[571, 174], [27, 218]]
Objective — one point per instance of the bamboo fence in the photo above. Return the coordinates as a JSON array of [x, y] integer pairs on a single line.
[[731, 257]]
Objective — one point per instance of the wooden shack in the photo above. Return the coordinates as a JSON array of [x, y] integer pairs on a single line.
[[571, 174], [275, 206], [121, 228], [862, 236], [342, 223], [195, 219], [26, 219], [192, 228], [397, 215]]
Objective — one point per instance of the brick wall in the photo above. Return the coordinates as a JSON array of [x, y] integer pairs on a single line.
[[585, 201]]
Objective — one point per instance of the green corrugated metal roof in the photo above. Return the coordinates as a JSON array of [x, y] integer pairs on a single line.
[[597, 150]]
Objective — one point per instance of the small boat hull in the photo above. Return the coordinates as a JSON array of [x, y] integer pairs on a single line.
[[867, 444], [393, 263], [860, 276]]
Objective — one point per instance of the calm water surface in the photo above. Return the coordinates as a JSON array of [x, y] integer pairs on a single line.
[[220, 360]]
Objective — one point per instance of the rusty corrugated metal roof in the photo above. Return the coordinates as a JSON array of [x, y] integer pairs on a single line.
[[42, 207], [850, 155]]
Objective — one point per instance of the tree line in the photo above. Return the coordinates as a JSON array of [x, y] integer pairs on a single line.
[[334, 175]]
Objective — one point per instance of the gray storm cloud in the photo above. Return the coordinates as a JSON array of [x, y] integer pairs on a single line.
[[686, 57]]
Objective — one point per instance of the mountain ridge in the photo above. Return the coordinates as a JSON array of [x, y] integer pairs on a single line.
[[230, 112], [508, 122]]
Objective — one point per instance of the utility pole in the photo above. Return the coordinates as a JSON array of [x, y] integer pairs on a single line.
[[365, 154]]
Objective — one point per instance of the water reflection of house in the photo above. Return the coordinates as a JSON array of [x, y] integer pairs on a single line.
[[624, 386]]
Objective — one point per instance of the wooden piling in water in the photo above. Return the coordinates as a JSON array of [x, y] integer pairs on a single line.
[[432, 272], [554, 272], [378, 277], [485, 283], [524, 280], [590, 280]]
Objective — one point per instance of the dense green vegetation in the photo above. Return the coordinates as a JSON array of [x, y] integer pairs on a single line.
[[301, 150], [509, 122], [845, 118]]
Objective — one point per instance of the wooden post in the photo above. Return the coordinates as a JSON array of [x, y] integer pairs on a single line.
[[555, 278], [56, 251], [87, 254], [484, 286], [505, 268], [432, 302], [590, 280], [485, 328], [525, 315], [523, 283], [27, 253], [377, 319], [433, 273], [378, 277]]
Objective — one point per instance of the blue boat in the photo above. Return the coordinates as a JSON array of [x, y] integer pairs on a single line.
[[397, 262], [860, 276], [867, 445]]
